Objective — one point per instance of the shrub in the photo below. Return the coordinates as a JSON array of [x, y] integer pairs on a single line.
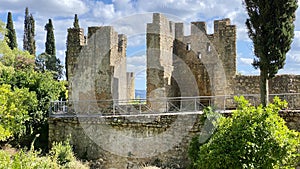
[[61, 157], [62, 152], [254, 137], [25, 160]]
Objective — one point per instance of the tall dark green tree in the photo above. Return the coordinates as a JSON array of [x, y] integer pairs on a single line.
[[271, 28], [50, 41], [29, 29], [48, 59], [11, 32], [76, 22]]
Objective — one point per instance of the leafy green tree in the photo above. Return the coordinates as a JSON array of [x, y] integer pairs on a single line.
[[49, 57], [76, 22], [254, 137], [48, 62], [271, 28], [17, 71], [29, 29], [15, 105], [15, 58], [11, 32]]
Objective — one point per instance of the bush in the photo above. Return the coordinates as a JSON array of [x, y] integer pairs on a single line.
[[25, 160], [255, 137], [15, 105], [61, 157], [62, 152]]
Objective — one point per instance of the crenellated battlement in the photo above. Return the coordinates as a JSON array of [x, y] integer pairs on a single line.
[[211, 58]]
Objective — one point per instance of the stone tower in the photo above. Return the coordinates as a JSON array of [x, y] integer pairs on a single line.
[[75, 42], [224, 41], [199, 64], [160, 37], [96, 68]]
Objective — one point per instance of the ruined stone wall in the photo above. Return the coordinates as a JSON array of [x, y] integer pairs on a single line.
[[198, 64], [75, 42], [160, 36], [130, 85], [118, 61], [96, 67], [224, 42], [117, 142], [280, 84], [129, 142], [206, 61], [189, 69]]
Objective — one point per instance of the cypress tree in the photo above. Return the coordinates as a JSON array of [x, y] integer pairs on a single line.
[[28, 39], [51, 62], [271, 28], [50, 41], [76, 22], [11, 33]]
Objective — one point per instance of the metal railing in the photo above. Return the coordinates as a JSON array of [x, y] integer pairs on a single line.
[[159, 105]]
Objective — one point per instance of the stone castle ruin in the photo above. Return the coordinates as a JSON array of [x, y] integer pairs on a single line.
[[199, 64], [178, 66]]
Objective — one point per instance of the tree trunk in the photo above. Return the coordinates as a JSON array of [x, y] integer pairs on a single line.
[[264, 88]]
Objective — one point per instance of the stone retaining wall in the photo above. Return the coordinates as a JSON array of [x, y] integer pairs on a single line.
[[136, 141]]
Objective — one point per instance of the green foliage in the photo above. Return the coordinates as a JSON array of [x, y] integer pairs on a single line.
[[17, 69], [50, 40], [193, 151], [254, 137], [34, 159], [48, 60], [11, 33], [209, 121], [2, 29], [15, 58], [62, 152], [29, 29], [271, 28], [15, 105], [76, 22]]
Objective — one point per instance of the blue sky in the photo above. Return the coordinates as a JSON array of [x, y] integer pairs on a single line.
[[130, 17]]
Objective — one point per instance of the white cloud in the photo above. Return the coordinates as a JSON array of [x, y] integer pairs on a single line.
[[103, 11], [293, 56], [247, 61], [137, 64], [137, 60], [130, 17], [47, 8]]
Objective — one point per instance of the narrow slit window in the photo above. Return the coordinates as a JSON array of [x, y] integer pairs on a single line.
[[120, 48], [199, 55], [208, 48], [188, 46]]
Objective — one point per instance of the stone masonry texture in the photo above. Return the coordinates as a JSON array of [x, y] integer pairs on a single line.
[[84, 134], [178, 65]]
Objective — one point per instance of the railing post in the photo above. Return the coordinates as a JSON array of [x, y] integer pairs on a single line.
[[181, 104], [114, 109], [195, 102], [167, 105], [140, 107]]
